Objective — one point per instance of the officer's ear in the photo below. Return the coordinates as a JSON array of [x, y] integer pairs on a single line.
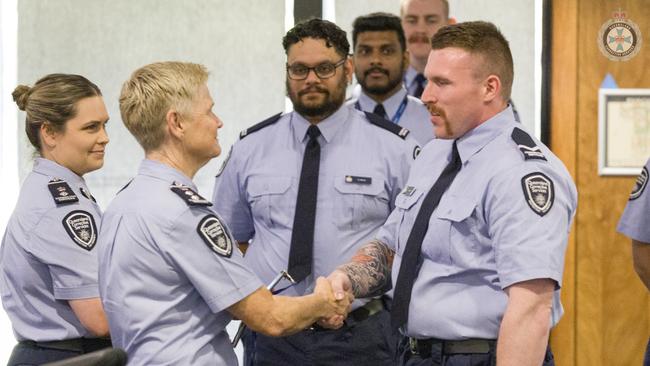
[[348, 66], [406, 61], [174, 123], [491, 88], [49, 135]]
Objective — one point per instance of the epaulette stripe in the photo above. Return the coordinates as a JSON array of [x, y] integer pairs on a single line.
[[387, 125], [267, 122], [526, 145]]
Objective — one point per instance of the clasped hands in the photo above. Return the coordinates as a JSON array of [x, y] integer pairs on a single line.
[[337, 290]]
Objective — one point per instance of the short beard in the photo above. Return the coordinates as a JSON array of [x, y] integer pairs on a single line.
[[331, 104], [393, 82]]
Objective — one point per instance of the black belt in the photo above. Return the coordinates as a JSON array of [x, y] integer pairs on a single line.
[[81, 345], [423, 347], [359, 314]]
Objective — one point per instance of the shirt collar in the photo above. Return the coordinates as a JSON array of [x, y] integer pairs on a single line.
[[474, 140], [409, 76], [158, 170], [391, 105], [54, 170], [328, 127]]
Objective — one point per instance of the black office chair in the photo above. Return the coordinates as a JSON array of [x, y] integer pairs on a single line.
[[104, 357]]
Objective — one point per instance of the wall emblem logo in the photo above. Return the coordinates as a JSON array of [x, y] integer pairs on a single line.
[[619, 38]]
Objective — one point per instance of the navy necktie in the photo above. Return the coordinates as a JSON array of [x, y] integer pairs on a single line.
[[302, 234], [380, 111], [410, 265], [419, 88]]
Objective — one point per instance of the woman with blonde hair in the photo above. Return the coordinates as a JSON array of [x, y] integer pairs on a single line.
[[48, 268]]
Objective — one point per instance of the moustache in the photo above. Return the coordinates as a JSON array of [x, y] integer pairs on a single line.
[[435, 110], [312, 89], [373, 69], [419, 38]]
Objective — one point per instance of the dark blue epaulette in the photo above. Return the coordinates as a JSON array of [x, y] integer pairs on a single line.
[[526, 145], [267, 122], [387, 125]]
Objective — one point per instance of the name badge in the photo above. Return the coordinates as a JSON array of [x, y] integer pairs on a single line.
[[357, 180]]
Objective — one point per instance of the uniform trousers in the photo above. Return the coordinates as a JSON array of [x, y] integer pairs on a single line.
[[439, 358], [28, 353], [366, 342]]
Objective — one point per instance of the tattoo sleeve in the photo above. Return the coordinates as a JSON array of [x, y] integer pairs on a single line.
[[369, 269]]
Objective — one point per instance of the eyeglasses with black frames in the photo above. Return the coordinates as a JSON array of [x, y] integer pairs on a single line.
[[325, 70]]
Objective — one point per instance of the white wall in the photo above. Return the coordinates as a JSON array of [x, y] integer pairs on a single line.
[[516, 20], [239, 42]]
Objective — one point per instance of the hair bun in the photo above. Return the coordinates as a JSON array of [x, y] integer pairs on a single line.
[[21, 94]]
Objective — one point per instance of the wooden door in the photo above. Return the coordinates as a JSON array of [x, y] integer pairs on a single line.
[[607, 319]]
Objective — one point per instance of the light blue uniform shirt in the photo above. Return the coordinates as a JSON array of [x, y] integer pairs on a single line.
[[362, 168], [43, 264], [164, 290], [484, 235], [415, 117], [635, 221], [409, 80]]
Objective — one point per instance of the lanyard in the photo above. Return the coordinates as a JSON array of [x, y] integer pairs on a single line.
[[398, 114]]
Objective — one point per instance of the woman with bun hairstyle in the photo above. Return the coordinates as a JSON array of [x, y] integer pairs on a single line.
[[48, 260]]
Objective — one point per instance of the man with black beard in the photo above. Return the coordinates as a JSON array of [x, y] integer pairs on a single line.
[[306, 188], [380, 61]]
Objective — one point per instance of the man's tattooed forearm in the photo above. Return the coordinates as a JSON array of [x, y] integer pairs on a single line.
[[369, 269]]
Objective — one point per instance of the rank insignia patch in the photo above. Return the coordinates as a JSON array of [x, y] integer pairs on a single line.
[[526, 145], [641, 182], [189, 196], [223, 165], [87, 194], [213, 233], [61, 192], [80, 225], [539, 192]]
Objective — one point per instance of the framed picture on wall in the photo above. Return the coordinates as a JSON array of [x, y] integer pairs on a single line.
[[623, 131]]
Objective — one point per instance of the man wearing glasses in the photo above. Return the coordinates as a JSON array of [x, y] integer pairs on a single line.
[[306, 188]]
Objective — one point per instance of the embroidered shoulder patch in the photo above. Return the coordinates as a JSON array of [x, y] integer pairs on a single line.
[[81, 227], [641, 182], [214, 234], [538, 192], [61, 192], [189, 196], [526, 145]]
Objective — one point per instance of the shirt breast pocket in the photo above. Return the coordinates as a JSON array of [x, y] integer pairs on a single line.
[[271, 200], [404, 204], [360, 201], [455, 229]]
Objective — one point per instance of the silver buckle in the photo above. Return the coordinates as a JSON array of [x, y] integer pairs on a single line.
[[413, 345]]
